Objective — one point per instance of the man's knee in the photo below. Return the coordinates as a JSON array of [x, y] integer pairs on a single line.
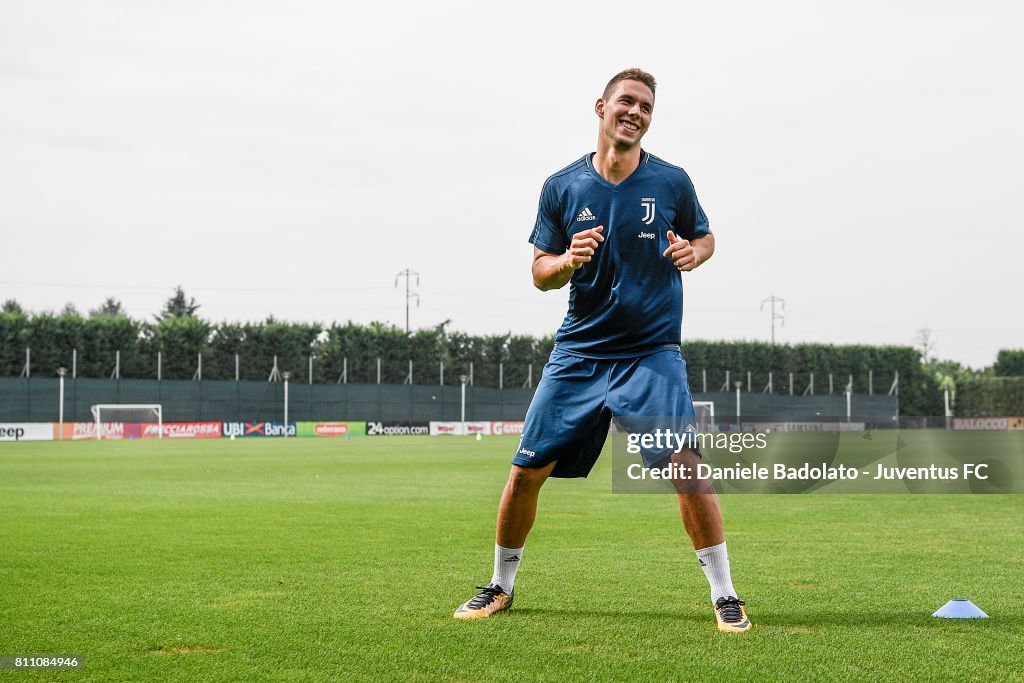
[[689, 486], [526, 481]]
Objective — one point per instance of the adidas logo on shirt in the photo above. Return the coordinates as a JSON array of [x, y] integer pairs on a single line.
[[586, 215]]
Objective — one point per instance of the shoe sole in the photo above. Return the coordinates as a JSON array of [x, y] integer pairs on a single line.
[[735, 628]]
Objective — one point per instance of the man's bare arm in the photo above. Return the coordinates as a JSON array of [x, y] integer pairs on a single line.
[[687, 255], [552, 271]]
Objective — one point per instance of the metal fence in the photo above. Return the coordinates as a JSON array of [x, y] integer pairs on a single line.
[[37, 400]]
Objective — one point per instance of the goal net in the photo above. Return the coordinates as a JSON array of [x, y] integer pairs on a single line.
[[108, 413], [705, 412]]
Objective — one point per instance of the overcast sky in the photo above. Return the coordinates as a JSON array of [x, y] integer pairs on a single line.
[[863, 161]]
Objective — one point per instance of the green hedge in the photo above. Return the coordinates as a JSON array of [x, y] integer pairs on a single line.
[[1010, 363], [335, 349], [990, 396], [872, 368], [179, 341]]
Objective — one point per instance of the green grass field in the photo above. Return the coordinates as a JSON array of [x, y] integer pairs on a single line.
[[334, 560]]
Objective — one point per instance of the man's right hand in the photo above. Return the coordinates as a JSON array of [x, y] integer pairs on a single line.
[[552, 271], [584, 244]]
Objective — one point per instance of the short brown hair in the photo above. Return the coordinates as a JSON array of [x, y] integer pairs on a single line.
[[633, 74]]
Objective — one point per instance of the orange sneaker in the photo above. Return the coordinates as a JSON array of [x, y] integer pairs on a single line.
[[490, 600], [731, 616]]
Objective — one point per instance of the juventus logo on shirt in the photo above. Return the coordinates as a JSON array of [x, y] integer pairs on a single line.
[[648, 204]]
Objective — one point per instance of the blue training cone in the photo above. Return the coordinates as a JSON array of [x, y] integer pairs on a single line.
[[960, 608]]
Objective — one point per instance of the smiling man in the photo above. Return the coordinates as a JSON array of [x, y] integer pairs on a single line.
[[619, 225]]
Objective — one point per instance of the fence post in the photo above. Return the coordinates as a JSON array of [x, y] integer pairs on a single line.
[[704, 380], [61, 371], [378, 369], [895, 389], [501, 375], [285, 376], [159, 366]]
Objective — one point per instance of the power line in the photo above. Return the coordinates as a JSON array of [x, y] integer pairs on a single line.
[[774, 316], [408, 274]]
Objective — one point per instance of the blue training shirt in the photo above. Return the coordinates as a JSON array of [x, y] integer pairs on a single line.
[[628, 300]]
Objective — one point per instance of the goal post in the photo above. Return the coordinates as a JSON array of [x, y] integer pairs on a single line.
[[705, 413], [146, 413]]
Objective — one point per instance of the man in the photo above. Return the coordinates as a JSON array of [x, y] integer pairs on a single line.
[[619, 225]]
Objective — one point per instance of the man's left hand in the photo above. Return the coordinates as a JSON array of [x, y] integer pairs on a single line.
[[681, 252]]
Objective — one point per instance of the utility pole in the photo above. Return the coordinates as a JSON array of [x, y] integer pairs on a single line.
[[775, 316], [408, 274]]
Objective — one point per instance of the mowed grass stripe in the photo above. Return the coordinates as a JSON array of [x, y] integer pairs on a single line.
[[343, 560]]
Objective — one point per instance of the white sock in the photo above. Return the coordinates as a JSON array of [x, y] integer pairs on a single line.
[[506, 564], [715, 563]]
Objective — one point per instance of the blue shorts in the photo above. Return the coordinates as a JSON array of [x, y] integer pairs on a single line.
[[577, 397]]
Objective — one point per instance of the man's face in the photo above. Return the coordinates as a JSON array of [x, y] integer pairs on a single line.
[[626, 113]]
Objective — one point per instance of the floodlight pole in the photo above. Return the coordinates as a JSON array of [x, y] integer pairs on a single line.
[[61, 371], [462, 380], [285, 376]]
